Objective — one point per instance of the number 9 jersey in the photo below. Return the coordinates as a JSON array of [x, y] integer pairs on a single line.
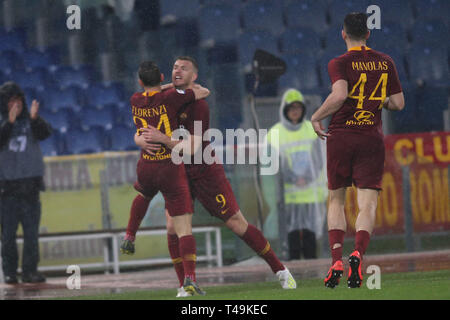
[[371, 77]]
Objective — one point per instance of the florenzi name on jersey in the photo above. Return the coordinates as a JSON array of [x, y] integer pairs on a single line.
[[149, 112], [370, 65]]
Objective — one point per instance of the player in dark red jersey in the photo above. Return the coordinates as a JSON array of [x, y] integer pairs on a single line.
[[156, 172], [208, 182], [363, 82]]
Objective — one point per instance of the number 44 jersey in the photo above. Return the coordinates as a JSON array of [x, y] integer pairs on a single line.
[[371, 77]]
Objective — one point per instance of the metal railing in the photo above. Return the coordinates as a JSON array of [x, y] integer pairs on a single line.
[[111, 254]]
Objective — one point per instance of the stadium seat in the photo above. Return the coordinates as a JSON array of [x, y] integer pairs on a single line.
[[10, 61], [36, 59], [407, 120], [92, 117], [123, 117], [423, 110], [300, 40], [221, 53], [301, 73], [431, 102], [399, 12], [310, 14], [322, 62], [80, 76], [59, 120], [57, 99], [31, 94], [12, 41], [338, 9], [37, 78], [391, 35], [249, 41], [50, 146], [218, 23], [122, 138], [227, 83], [333, 39], [432, 9], [101, 94], [173, 11], [235, 3], [263, 15], [85, 141], [399, 59], [428, 64], [432, 32]]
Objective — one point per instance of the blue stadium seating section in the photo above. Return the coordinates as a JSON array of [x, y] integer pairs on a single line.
[[86, 141], [218, 23], [175, 10], [307, 13], [249, 41], [391, 36], [263, 15], [302, 73], [399, 11], [429, 64], [222, 35], [300, 40], [122, 138]]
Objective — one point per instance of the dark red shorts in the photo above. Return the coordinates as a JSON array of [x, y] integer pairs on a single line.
[[209, 184], [168, 178], [355, 158]]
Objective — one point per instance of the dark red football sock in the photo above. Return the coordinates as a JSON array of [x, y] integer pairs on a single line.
[[174, 251], [138, 209], [336, 241], [362, 239], [188, 250], [255, 239]]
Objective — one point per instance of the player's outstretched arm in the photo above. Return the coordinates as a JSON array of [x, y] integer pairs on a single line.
[[395, 102], [200, 92]]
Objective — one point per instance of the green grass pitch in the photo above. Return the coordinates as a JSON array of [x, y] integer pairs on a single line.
[[434, 285]]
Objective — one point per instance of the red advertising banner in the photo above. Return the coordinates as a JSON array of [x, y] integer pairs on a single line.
[[428, 158]]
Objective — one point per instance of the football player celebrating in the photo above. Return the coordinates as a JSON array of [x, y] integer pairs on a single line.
[[363, 82], [207, 183], [157, 172]]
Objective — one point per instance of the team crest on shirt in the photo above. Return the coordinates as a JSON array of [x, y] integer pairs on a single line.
[[183, 116]]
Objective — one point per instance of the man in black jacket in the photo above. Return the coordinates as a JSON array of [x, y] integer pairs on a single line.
[[21, 180]]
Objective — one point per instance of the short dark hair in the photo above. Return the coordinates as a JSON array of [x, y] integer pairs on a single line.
[[189, 58], [149, 74], [355, 25]]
